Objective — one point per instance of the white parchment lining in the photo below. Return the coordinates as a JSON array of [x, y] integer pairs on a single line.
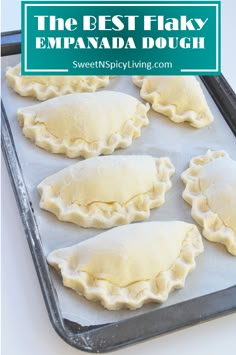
[[216, 269]]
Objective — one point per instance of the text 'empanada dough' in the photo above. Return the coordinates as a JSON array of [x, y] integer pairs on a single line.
[[178, 97], [211, 190], [84, 124], [130, 265], [104, 192], [46, 87]]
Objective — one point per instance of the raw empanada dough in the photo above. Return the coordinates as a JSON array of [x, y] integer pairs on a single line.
[[130, 265], [104, 192], [46, 87], [84, 124], [211, 190], [178, 97]]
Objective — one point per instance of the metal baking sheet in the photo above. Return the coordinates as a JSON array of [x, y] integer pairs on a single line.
[[79, 321]]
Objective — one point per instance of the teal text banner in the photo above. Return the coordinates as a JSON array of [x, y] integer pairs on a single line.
[[120, 38]]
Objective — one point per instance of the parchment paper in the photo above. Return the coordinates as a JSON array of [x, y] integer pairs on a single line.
[[216, 269]]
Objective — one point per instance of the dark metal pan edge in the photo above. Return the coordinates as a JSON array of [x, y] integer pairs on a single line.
[[165, 320], [224, 97], [218, 87], [33, 238], [10, 43], [112, 336], [109, 337]]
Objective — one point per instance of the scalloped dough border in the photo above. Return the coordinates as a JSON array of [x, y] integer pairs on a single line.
[[39, 134], [170, 110], [134, 296], [104, 215], [44, 92], [214, 228]]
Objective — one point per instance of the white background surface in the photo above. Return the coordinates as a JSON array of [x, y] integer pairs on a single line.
[[26, 329]]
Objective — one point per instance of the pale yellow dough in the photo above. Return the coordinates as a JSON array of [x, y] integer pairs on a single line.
[[46, 87], [130, 265], [178, 97], [104, 192], [84, 124], [211, 190]]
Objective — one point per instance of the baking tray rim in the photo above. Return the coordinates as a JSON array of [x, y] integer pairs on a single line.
[[111, 336]]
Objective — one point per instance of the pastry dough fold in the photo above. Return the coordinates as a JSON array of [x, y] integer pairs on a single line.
[[130, 265], [211, 190], [178, 97], [87, 124], [103, 192], [47, 87]]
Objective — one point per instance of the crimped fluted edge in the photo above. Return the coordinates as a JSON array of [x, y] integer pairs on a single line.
[[39, 134], [170, 110], [103, 215], [43, 92], [214, 228], [138, 80], [134, 296]]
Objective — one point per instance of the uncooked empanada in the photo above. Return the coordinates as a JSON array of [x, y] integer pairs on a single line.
[[104, 192], [46, 87], [211, 190], [178, 97], [84, 124], [130, 265]]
